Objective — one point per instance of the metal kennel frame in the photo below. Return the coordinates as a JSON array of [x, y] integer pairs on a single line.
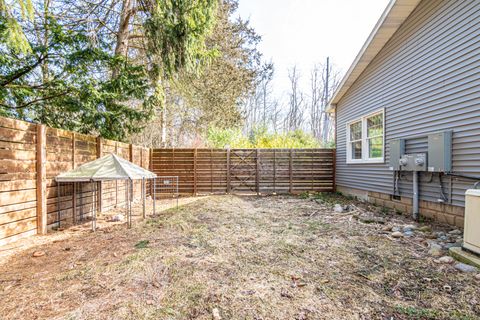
[[96, 195], [165, 187]]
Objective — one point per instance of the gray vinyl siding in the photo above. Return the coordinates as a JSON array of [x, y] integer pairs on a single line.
[[427, 77]]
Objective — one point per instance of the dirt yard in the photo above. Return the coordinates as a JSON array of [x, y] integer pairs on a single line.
[[232, 257]]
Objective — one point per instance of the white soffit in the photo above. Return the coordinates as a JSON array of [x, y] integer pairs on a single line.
[[392, 18]]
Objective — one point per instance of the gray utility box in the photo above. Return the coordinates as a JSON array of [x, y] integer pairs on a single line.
[[397, 149], [440, 152], [413, 162]]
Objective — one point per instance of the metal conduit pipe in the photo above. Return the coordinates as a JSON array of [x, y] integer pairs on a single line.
[[415, 196]]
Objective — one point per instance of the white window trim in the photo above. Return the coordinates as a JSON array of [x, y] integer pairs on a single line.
[[365, 158]]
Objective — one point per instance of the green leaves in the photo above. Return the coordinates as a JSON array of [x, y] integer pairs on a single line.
[[77, 92], [176, 32], [259, 138], [11, 31], [69, 74]]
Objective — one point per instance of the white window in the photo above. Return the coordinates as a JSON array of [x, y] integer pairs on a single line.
[[365, 139]]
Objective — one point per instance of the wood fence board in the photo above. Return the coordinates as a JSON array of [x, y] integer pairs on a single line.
[[17, 185], [12, 229], [17, 124], [17, 206], [13, 135], [12, 217]]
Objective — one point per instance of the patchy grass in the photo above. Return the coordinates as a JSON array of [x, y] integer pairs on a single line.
[[142, 244], [245, 257]]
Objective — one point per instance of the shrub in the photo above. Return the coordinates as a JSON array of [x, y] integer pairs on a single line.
[[259, 138]]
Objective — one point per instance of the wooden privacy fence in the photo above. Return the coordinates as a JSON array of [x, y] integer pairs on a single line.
[[211, 171], [31, 156]]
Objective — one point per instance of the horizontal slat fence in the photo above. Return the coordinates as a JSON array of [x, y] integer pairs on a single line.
[[218, 171], [18, 174], [32, 155], [21, 185]]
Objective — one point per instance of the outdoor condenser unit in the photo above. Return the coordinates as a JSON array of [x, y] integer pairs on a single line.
[[471, 239]]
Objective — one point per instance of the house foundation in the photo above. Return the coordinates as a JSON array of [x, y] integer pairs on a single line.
[[441, 212]]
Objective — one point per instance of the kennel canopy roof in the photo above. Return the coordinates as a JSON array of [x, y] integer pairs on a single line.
[[109, 167]]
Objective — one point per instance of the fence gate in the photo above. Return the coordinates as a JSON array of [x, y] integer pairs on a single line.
[[243, 171], [220, 171]]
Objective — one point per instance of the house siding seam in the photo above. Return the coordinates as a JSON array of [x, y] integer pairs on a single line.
[[427, 77]]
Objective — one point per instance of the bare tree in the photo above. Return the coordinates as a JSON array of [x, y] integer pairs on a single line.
[[295, 110], [330, 81], [275, 115], [323, 82], [258, 106], [316, 101], [294, 119]]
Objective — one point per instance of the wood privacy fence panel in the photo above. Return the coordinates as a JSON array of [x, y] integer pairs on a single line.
[[204, 171], [17, 178], [27, 174]]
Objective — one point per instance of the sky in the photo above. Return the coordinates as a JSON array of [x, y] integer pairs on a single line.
[[305, 32]]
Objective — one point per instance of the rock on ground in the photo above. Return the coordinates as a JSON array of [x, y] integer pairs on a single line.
[[456, 232], [117, 217], [397, 234], [216, 314], [465, 268], [446, 259], [435, 249], [409, 227], [338, 208], [408, 233], [425, 229]]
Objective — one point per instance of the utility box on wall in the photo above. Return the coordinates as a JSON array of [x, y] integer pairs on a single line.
[[440, 152], [397, 149]]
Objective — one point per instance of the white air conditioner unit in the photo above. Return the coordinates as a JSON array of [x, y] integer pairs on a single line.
[[471, 240]]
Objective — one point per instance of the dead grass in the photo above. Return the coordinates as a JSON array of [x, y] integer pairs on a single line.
[[245, 257]]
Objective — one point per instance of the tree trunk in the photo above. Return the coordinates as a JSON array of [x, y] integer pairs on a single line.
[[164, 114], [44, 66], [127, 14]]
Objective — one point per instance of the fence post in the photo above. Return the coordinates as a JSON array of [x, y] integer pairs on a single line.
[[42, 180], [132, 184], [74, 194], [290, 174], [195, 172], [116, 181], [228, 171], [73, 150], [257, 171], [100, 189], [150, 167]]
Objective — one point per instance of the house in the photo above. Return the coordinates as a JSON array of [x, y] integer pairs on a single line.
[[418, 74]]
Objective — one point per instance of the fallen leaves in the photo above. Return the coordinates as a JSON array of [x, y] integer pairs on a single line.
[[37, 254], [216, 314]]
